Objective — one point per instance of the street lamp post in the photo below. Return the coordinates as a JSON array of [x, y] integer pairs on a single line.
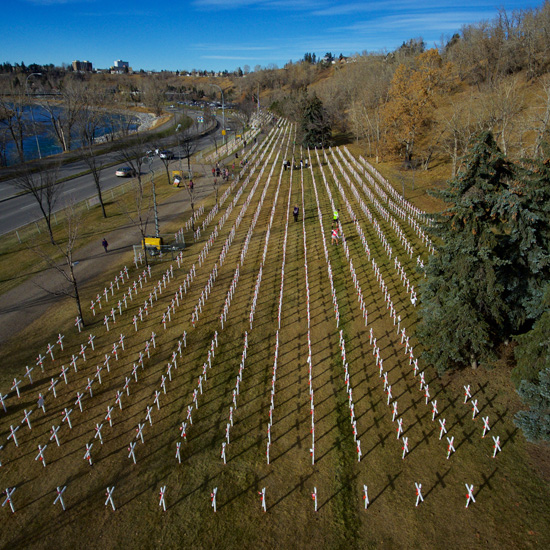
[[149, 162], [32, 112], [223, 110]]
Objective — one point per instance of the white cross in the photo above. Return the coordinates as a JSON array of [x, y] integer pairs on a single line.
[[60, 340], [156, 400], [40, 455], [213, 497], [399, 427], [59, 497], [88, 454], [262, 497], [470, 495], [139, 431], [106, 322], [475, 410], [2, 402], [121, 341], [109, 495], [16, 386], [314, 497], [50, 351], [78, 323], [26, 418], [64, 370], [366, 496], [486, 427], [162, 502], [79, 400], [66, 417], [13, 436], [118, 399], [450, 448], [73, 363], [419, 497], [40, 361], [131, 449], [442, 429], [434, 409], [183, 430], [40, 403], [9, 493], [83, 352], [405, 446], [91, 339], [467, 393], [89, 386], [127, 385], [54, 431], [98, 432], [53, 383], [108, 416], [496, 445], [28, 373], [223, 452], [148, 415]]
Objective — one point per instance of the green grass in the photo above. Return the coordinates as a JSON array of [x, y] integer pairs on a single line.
[[513, 501]]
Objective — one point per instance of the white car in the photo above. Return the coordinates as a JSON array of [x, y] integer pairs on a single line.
[[125, 172]]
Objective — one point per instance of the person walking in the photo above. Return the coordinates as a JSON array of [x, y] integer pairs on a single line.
[[335, 236], [105, 244], [295, 213], [336, 217]]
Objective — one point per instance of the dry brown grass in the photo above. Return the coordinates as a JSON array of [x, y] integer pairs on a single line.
[[512, 502]]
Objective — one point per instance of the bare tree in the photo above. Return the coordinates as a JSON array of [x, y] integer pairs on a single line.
[[192, 198], [188, 145], [140, 213], [95, 165], [12, 115], [64, 118], [43, 187], [133, 155], [66, 267]]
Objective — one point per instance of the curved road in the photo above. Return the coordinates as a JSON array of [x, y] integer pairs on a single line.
[[19, 210]]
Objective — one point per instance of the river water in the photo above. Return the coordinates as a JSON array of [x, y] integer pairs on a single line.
[[110, 123]]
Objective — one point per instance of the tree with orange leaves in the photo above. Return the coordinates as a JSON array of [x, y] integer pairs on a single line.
[[411, 101]]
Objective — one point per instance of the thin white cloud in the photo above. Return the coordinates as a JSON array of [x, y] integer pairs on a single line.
[[416, 22]]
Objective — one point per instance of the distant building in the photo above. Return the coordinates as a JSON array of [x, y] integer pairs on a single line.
[[121, 67], [82, 66]]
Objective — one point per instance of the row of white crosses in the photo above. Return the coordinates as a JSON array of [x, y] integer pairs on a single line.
[[401, 207], [486, 427], [379, 231], [197, 213], [376, 351], [401, 212], [236, 391], [87, 455], [418, 486], [424, 387], [118, 279], [349, 389]]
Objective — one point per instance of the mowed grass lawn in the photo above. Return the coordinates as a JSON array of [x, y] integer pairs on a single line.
[[512, 499]]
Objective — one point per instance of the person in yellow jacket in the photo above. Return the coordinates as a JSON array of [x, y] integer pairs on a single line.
[[335, 217]]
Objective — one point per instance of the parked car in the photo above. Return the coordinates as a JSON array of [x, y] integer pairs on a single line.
[[169, 155], [125, 172]]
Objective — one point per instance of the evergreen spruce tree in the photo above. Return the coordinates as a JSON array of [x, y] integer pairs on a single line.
[[315, 126], [464, 312], [535, 422]]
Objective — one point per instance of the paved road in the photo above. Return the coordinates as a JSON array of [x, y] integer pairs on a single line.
[[19, 210]]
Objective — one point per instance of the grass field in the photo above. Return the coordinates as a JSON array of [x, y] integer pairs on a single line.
[[512, 497]]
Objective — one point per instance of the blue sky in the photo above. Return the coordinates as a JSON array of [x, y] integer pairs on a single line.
[[224, 34]]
